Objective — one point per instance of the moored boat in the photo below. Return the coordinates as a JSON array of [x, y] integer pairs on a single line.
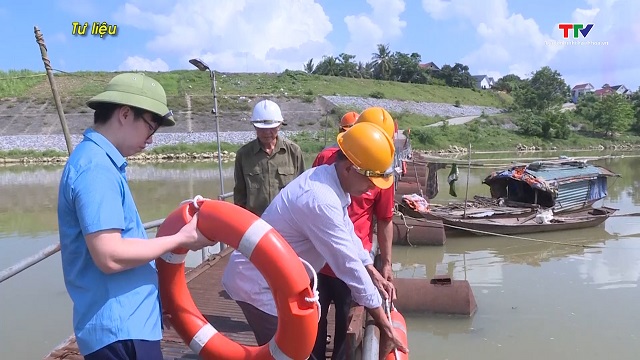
[[541, 196]]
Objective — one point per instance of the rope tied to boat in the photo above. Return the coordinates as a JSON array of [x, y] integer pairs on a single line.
[[403, 217]]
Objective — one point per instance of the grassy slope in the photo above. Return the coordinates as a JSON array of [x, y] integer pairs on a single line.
[[483, 136], [194, 82]]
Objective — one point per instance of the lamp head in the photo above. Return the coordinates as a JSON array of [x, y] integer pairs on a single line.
[[201, 65]]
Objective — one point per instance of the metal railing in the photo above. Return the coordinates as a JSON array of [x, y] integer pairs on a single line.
[[26, 263], [43, 254]]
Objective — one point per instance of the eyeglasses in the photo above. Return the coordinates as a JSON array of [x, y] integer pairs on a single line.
[[152, 128], [372, 173]]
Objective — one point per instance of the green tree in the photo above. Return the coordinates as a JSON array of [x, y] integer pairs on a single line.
[[382, 63], [347, 67], [456, 76], [406, 68], [635, 103], [545, 90], [365, 70], [328, 66], [547, 125], [508, 83], [614, 113], [309, 66], [587, 107]]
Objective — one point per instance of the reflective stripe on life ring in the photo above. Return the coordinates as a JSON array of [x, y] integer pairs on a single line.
[[272, 256]]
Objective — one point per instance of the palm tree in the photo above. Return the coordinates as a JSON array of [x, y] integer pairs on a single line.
[[347, 68], [309, 67], [328, 66], [382, 62]]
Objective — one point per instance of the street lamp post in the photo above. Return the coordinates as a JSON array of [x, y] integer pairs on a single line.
[[202, 66]]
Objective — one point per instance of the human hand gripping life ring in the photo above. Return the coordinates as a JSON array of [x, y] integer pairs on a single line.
[[399, 329], [296, 302]]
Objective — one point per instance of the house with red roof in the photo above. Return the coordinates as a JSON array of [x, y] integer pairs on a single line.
[[606, 90]]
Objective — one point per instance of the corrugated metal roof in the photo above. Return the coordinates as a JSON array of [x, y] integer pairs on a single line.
[[565, 172]]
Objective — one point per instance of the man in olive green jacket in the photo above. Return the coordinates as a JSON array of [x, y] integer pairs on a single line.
[[267, 164]]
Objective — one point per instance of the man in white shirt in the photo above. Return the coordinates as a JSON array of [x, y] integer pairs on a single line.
[[311, 215]]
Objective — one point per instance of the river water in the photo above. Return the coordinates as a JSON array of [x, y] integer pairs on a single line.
[[535, 300]]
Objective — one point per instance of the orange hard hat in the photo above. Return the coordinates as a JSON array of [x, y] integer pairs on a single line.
[[348, 120], [380, 117], [371, 151]]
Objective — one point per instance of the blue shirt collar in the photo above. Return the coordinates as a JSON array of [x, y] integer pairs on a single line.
[[116, 157]]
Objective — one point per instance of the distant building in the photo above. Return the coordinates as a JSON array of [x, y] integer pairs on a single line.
[[429, 66], [622, 90], [606, 90], [483, 81], [580, 90]]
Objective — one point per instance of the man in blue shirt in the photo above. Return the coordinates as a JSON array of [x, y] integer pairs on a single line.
[[107, 260]]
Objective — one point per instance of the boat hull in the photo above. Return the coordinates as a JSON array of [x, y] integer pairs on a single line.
[[585, 218]]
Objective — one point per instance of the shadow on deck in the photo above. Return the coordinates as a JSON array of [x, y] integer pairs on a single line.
[[205, 284]]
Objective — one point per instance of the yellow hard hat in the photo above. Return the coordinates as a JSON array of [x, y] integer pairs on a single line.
[[348, 120], [370, 150], [379, 116]]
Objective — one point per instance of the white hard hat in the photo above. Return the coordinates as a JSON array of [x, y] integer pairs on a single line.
[[266, 115]]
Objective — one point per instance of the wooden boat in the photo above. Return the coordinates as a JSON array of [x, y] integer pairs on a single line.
[[562, 190], [526, 224]]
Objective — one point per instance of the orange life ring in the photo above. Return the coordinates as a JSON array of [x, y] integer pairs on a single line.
[[400, 331], [296, 302]]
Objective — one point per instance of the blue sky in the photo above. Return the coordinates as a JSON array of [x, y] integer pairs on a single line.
[[494, 37]]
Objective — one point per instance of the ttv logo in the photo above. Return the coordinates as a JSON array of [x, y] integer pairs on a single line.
[[577, 29]]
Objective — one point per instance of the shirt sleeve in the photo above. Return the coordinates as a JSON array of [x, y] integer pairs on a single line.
[[239, 188], [299, 162], [383, 207], [97, 195], [333, 238]]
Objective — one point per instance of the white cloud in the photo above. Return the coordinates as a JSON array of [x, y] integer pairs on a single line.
[[231, 34], [378, 27], [514, 44], [137, 63], [614, 21], [511, 43]]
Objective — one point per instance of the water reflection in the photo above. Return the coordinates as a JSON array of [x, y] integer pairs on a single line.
[[533, 299], [612, 268]]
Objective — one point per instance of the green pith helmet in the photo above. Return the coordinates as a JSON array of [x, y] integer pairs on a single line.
[[136, 90]]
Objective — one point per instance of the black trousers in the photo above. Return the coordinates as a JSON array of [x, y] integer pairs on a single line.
[[128, 350], [263, 325], [332, 289]]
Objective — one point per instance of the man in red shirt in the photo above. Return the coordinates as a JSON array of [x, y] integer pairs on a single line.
[[361, 211]]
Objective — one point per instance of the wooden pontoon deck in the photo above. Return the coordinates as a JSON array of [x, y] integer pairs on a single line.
[[205, 284]]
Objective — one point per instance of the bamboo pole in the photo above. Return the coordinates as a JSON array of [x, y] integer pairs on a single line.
[[54, 90], [466, 192]]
